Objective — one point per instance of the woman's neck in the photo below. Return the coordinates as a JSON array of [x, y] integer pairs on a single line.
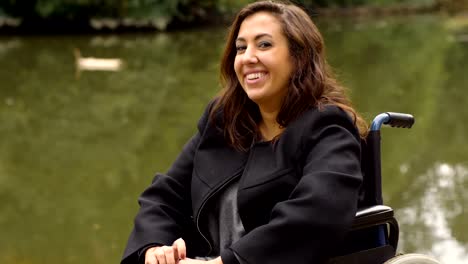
[[268, 126]]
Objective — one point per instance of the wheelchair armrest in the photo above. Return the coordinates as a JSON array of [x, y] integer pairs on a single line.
[[372, 210], [378, 215], [373, 215]]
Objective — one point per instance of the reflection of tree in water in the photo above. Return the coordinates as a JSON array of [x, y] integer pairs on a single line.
[[426, 222], [432, 204], [415, 68], [79, 152]]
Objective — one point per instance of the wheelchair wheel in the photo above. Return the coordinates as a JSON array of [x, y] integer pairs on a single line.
[[412, 259]]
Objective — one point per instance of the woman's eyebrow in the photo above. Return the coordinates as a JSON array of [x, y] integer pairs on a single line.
[[256, 37]]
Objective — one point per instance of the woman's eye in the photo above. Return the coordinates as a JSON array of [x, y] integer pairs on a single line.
[[264, 44], [240, 48]]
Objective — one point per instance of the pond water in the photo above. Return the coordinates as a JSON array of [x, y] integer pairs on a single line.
[[78, 147]]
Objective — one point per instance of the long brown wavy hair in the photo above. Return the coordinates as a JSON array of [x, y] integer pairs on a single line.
[[311, 85]]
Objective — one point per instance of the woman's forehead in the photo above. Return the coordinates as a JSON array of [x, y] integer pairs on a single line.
[[259, 23]]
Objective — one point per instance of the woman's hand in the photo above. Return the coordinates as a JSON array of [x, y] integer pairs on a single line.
[[166, 254]]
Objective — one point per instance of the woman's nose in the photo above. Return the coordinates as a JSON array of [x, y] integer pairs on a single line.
[[250, 56]]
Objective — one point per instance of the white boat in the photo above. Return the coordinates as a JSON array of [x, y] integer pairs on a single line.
[[96, 64]]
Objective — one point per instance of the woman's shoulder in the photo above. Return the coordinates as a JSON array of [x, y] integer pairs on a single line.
[[314, 125], [210, 123], [318, 122], [205, 118], [326, 115]]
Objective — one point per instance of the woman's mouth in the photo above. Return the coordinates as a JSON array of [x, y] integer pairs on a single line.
[[256, 77]]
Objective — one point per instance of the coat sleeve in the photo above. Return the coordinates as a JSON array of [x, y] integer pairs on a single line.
[[165, 206], [307, 227]]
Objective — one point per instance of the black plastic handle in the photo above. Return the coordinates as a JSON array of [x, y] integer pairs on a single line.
[[400, 120]]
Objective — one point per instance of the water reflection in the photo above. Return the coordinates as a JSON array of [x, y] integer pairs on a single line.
[[8, 45], [438, 209], [75, 154]]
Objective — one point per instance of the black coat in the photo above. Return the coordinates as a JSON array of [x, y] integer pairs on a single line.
[[296, 198]]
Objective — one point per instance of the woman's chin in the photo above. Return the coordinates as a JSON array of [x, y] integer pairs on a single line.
[[262, 101], [256, 96], [256, 99]]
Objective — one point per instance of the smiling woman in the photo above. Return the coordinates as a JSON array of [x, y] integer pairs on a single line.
[[273, 173], [263, 64]]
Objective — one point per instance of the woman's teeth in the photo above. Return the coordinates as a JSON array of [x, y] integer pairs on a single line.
[[254, 76]]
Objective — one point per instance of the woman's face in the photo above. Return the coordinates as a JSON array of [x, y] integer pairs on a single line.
[[263, 64]]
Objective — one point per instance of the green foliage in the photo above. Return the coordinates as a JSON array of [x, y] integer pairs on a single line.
[[331, 3], [354, 3], [160, 12], [183, 10]]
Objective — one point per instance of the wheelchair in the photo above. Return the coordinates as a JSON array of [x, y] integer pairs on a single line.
[[373, 238]]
